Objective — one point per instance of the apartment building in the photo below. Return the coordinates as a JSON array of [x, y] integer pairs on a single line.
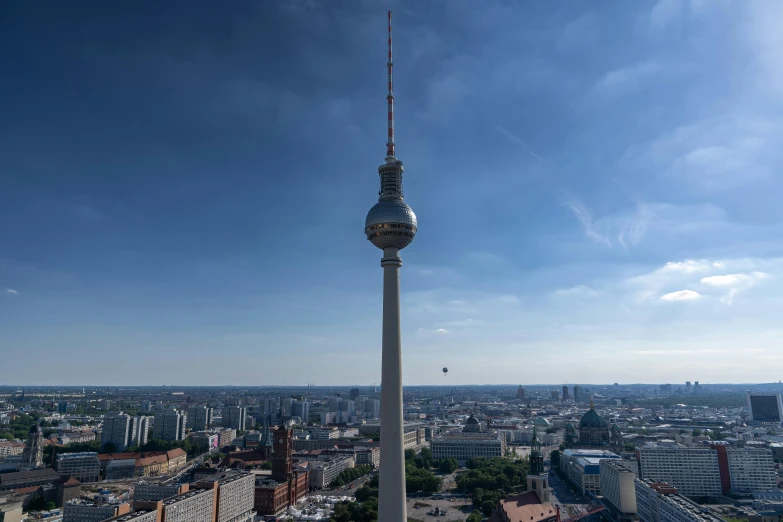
[[199, 418], [84, 466], [660, 502], [119, 430], [751, 469], [137, 516], [155, 491], [236, 497], [693, 471], [234, 417], [196, 505], [617, 479], [79, 511], [169, 425]]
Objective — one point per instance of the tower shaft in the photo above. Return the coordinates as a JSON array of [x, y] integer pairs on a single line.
[[391, 492], [390, 98]]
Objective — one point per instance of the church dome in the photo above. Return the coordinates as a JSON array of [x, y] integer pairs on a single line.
[[591, 419], [472, 420], [570, 427]]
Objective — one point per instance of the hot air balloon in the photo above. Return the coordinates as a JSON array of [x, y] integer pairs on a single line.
[[445, 371]]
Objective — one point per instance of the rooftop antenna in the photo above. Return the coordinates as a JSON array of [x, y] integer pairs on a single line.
[[390, 98]]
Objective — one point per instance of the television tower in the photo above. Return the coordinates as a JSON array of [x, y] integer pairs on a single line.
[[391, 226]]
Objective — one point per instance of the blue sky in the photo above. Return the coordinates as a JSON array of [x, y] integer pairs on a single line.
[[183, 190]]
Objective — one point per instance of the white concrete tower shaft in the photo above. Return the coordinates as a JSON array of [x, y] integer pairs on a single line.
[[391, 493]]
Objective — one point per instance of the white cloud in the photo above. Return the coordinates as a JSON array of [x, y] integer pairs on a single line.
[[11, 291], [681, 295], [516, 139], [576, 291], [441, 331], [690, 266], [626, 77], [734, 283]]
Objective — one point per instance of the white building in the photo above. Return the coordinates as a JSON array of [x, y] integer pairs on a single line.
[[693, 471], [617, 486], [660, 502], [464, 446], [323, 472], [751, 469], [118, 429], [582, 467], [143, 424]]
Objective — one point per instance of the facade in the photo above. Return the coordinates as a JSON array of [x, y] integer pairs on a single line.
[[236, 498], [118, 429], [234, 417], [142, 464], [196, 505], [693, 471], [464, 446], [565, 395], [142, 430], [85, 467], [199, 418], [226, 436], [32, 456], [751, 469], [78, 511], [618, 487], [582, 467], [323, 472], [286, 486], [153, 491], [765, 408], [660, 502], [169, 425]]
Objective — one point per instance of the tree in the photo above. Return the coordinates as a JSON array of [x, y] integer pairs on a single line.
[[266, 465], [696, 432], [364, 493], [7, 435], [554, 458], [475, 516], [487, 507], [417, 479], [449, 465], [410, 454]]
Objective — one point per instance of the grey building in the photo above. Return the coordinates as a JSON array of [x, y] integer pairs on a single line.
[[118, 429], [236, 498], [199, 418], [169, 425], [84, 467], [234, 417]]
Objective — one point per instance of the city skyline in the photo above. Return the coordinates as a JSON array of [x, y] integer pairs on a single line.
[[165, 186]]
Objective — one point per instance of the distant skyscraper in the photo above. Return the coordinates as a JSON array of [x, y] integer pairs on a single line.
[[355, 392], [554, 395], [301, 409], [285, 406], [696, 387], [391, 226], [578, 394], [688, 387], [520, 393], [565, 393], [32, 456]]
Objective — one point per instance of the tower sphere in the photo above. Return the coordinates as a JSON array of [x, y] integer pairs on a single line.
[[391, 223]]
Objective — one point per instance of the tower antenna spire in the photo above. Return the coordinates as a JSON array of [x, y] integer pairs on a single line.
[[390, 98]]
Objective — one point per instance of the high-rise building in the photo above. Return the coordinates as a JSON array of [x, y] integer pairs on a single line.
[[142, 430], [693, 471], [578, 394], [617, 486], [355, 392], [765, 408], [234, 417], [117, 429], [32, 456], [301, 409], [391, 226], [688, 387], [285, 406], [660, 502], [84, 467], [554, 395], [199, 418], [521, 393], [565, 393], [169, 425]]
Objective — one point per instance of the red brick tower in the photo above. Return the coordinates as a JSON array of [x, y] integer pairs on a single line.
[[282, 466]]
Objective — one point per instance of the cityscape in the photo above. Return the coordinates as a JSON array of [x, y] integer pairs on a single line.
[[171, 351]]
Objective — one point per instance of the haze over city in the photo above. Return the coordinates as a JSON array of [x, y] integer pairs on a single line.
[[597, 192]]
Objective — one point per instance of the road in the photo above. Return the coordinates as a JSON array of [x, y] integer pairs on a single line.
[[345, 490]]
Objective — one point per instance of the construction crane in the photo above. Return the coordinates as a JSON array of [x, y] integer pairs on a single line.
[[591, 511]]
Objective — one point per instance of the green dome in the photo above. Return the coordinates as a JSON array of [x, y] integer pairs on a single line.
[[542, 422], [591, 419], [570, 427], [614, 428]]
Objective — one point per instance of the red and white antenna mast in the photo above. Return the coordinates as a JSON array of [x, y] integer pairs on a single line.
[[390, 98]]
